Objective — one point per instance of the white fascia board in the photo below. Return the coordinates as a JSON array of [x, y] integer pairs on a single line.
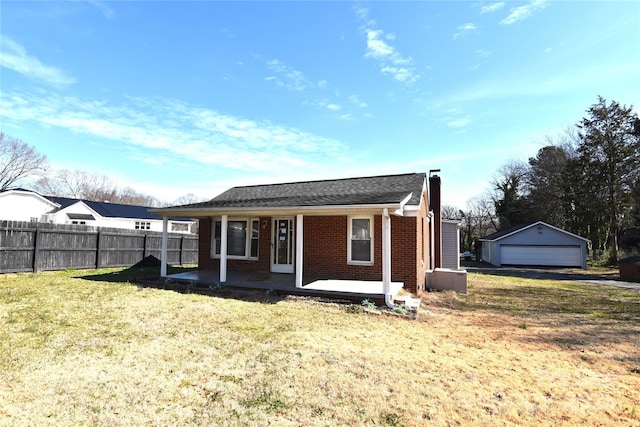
[[289, 210]]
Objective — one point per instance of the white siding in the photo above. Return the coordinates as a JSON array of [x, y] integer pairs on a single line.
[[450, 244], [23, 206]]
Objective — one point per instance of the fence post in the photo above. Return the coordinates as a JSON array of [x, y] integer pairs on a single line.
[[36, 249], [98, 251], [181, 250], [144, 246]]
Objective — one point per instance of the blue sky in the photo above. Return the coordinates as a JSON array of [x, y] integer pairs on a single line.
[[172, 98]]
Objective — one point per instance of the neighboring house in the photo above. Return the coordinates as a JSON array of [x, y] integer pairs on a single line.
[[25, 205], [358, 229], [535, 244]]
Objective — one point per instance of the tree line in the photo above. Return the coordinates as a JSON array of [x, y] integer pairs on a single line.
[[22, 164], [586, 182]]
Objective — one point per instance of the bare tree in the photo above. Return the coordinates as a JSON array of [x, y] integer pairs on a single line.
[[18, 160], [129, 196], [450, 212], [478, 220], [187, 199], [79, 184]]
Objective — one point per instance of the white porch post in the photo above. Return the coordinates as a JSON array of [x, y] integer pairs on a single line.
[[223, 248], [386, 251], [163, 251], [299, 249]]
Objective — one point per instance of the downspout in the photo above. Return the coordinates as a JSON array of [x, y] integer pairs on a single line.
[[431, 239], [386, 258]]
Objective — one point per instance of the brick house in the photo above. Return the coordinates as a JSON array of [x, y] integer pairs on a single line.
[[376, 229]]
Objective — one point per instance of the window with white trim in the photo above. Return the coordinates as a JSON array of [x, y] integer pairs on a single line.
[[142, 225], [242, 238], [360, 240]]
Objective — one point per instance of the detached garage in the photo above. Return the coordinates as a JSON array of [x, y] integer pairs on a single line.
[[536, 244]]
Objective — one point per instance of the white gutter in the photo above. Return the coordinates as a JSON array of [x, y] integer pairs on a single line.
[[386, 258], [400, 210], [293, 210]]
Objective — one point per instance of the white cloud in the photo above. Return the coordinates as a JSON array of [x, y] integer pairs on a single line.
[[361, 12], [104, 8], [458, 123], [464, 29], [15, 57], [523, 12], [538, 84], [178, 131], [287, 77], [377, 48], [493, 7], [355, 100], [400, 74], [391, 62]]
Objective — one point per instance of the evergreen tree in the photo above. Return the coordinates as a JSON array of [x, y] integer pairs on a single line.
[[609, 156]]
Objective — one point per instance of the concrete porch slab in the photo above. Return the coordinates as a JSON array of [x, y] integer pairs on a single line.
[[354, 290]]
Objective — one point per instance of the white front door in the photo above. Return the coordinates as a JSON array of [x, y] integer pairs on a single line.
[[282, 245]]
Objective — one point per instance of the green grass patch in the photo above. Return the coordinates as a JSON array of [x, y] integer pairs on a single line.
[[542, 298]]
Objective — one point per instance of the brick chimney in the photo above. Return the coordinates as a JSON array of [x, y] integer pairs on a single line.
[[435, 203]]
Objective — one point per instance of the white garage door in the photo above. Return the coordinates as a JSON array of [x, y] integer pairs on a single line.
[[557, 256]]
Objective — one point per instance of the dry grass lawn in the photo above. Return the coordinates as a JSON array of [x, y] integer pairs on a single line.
[[513, 352]]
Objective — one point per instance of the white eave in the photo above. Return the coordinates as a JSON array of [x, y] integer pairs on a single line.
[[399, 209]]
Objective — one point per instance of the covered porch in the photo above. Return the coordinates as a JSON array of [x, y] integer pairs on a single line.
[[287, 233], [352, 290]]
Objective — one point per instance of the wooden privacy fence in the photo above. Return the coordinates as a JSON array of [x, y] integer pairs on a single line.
[[27, 246]]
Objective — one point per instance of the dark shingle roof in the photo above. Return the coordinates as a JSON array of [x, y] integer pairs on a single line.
[[112, 210], [108, 210], [374, 190], [515, 229], [509, 230]]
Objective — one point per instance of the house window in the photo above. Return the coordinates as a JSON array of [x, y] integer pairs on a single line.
[[75, 222], [143, 225], [242, 238], [360, 246]]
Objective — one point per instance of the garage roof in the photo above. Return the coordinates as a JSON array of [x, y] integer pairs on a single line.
[[498, 235]]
